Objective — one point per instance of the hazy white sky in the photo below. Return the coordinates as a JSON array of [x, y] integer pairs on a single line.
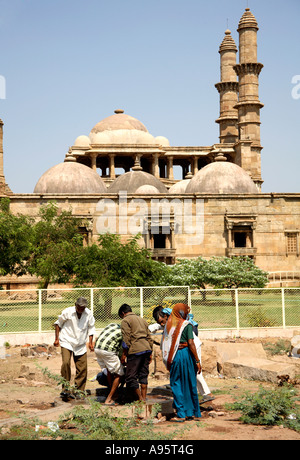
[[68, 64]]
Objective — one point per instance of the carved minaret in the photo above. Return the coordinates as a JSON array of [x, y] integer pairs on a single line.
[[4, 189], [228, 90], [248, 149], [2, 178]]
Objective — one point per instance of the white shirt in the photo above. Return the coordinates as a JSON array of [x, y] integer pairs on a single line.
[[75, 331]]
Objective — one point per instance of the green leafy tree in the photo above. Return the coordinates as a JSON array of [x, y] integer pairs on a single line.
[[218, 273], [15, 240], [56, 243], [111, 263], [235, 272], [186, 272]]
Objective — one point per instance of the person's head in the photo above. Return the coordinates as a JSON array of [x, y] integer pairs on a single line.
[[160, 317], [123, 310], [181, 310], [81, 304]]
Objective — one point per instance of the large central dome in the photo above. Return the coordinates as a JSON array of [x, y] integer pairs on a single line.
[[119, 120], [121, 128]]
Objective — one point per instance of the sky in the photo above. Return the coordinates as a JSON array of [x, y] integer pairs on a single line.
[[67, 64]]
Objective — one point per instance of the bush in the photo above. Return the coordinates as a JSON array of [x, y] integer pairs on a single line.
[[270, 407], [258, 318]]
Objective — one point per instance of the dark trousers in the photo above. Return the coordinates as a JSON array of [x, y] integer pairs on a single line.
[[80, 365], [137, 370]]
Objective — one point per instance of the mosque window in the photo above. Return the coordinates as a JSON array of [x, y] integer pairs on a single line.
[[292, 242]]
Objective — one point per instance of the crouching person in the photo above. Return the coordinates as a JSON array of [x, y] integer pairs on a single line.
[[107, 350]]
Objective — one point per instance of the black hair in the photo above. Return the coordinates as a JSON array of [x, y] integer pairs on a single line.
[[156, 312], [124, 309]]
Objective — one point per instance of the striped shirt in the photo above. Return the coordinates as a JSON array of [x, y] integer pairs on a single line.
[[110, 338]]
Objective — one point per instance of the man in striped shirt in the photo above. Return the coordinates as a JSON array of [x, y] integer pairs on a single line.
[[107, 349]]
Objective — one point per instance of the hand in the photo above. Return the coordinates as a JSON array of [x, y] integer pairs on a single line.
[[199, 368], [91, 346], [56, 343]]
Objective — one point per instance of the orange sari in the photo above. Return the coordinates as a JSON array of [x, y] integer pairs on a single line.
[[172, 332]]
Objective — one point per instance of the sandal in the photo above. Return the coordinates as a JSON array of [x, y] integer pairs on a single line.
[[177, 420], [206, 399], [193, 419]]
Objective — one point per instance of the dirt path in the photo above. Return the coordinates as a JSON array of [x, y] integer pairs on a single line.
[[24, 390]]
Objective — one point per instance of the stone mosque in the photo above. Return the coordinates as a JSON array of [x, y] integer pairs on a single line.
[[119, 163]]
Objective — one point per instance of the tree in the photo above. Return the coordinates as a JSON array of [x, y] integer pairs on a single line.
[[219, 273], [15, 240], [111, 263], [56, 243], [235, 272], [186, 272]]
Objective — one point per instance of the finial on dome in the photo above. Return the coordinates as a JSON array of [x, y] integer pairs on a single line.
[[137, 165], [189, 175], [220, 157], [119, 111]]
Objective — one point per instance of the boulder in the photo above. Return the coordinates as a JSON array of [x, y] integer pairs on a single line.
[[252, 368]]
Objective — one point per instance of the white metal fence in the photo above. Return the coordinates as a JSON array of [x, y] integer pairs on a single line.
[[24, 311]]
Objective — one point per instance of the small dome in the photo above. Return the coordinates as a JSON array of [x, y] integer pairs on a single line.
[[163, 141], [82, 141], [70, 177], [118, 121], [179, 187], [147, 190], [222, 177], [131, 181]]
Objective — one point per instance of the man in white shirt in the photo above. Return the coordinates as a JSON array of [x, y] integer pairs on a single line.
[[74, 327]]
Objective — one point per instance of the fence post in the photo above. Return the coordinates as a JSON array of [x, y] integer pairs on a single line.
[[237, 310], [189, 298], [92, 300], [283, 307], [40, 311], [141, 302]]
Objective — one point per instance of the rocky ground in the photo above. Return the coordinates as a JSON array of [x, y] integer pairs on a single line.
[[26, 391]]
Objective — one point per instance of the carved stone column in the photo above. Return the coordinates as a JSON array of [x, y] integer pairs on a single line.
[[170, 172], [155, 165], [93, 157], [112, 173]]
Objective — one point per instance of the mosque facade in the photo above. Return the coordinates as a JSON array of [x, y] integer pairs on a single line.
[[120, 178]]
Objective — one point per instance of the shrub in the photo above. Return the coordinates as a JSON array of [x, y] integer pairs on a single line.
[[270, 407]]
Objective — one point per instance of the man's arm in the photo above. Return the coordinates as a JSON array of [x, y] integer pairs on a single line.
[[57, 331]]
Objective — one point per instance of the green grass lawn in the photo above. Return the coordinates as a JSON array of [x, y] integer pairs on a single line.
[[212, 310]]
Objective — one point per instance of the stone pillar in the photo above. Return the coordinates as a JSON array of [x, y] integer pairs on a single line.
[[170, 173], [93, 157], [195, 166], [249, 105], [112, 173], [228, 90], [155, 165]]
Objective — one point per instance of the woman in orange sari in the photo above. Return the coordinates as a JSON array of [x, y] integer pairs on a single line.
[[181, 359]]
